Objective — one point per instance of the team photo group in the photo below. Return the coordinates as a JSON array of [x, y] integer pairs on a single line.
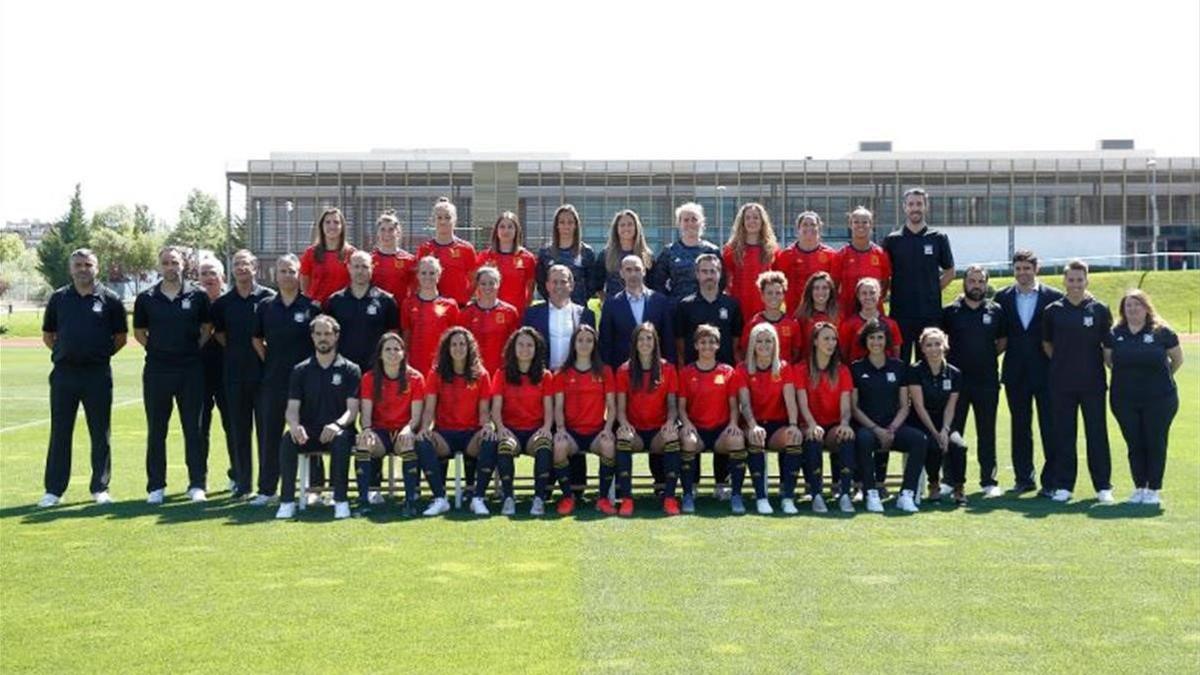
[[769, 354]]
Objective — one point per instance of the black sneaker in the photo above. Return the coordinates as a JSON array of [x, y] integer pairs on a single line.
[[1022, 488]]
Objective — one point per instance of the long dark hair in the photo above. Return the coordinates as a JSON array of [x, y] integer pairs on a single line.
[[577, 244], [518, 239], [377, 371], [445, 363], [807, 308], [572, 356], [835, 359], [637, 374], [512, 374], [319, 242]]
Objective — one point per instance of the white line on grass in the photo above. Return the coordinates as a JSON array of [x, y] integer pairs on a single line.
[[34, 423]]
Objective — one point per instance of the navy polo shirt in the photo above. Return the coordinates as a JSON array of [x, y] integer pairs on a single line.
[[674, 271], [1077, 333], [918, 259], [174, 324], [84, 325], [879, 388], [723, 313], [935, 390], [285, 330], [234, 316], [322, 392], [973, 334], [363, 320], [1140, 370]]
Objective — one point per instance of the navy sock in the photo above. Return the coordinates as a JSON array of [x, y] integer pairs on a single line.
[[470, 466], [737, 471], [687, 469], [412, 475], [362, 474], [813, 469], [672, 466], [428, 459], [624, 469], [758, 472], [485, 465], [562, 474], [542, 463], [505, 460], [791, 471], [608, 466], [846, 454]]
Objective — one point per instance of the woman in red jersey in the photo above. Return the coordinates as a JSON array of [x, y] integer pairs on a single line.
[[806, 257], [750, 251], [489, 319], [517, 264], [823, 390], [768, 405], [708, 409], [626, 237], [818, 302], [324, 267], [392, 396], [773, 287], [860, 259], [457, 256], [647, 415], [866, 309], [584, 413], [523, 414], [426, 314], [394, 269]]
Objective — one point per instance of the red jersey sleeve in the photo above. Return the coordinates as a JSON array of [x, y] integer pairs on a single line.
[[366, 385], [306, 262]]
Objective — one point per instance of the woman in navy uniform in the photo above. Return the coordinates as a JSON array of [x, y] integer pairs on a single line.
[[934, 387]]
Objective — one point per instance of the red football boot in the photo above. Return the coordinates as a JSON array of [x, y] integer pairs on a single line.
[[566, 506], [670, 506], [627, 507], [604, 505]]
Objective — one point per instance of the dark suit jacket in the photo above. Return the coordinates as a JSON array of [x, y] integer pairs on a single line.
[[617, 324], [1025, 364], [538, 316]]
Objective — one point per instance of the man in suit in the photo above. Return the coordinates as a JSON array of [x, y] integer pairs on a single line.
[[1025, 370], [629, 309]]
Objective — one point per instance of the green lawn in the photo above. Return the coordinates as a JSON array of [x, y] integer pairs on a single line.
[[1004, 585]]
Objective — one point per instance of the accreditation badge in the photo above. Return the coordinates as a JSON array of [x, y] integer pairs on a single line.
[[336, 379]]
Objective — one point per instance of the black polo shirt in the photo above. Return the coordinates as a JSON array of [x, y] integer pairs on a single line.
[[285, 330], [322, 392], [1140, 371], [364, 320], [1077, 333], [879, 388], [84, 325], [174, 324], [973, 334], [234, 316], [935, 390], [917, 263], [723, 313]]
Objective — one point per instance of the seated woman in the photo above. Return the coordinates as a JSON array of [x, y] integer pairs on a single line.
[[647, 415], [584, 413], [823, 387], [768, 405], [933, 387], [708, 410]]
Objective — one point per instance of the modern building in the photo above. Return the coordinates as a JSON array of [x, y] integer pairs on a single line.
[[31, 232], [1093, 203]]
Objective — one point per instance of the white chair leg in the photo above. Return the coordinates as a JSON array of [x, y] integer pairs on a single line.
[[304, 480], [391, 477], [458, 478]]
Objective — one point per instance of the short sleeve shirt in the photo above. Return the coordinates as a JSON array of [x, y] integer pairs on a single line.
[[323, 392], [84, 325]]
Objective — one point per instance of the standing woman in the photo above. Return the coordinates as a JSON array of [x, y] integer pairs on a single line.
[[647, 415], [522, 413], [750, 251], [566, 247], [517, 264], [674, 271], [457, 256], [626, 237], [708, 410], [818, 303], [860, 259], [456, 418], [866, 310], [584, 412], [768, 405], [806, 257], [325, 266], [490, 319], [1144, 354], [934, 386], [393, 269], [772, 287], [426, 314], [823, 391]]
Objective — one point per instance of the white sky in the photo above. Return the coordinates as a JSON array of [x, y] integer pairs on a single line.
[[142, 101]]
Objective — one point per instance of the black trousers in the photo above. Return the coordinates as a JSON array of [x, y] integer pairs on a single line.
[[983, 400], [241, 403], [1066, 408], [163, 390], [69, 386], [910, 332], [272, 404], [1021, 399], [1145, 425], [214, 397], [340, 448], [908, 440]]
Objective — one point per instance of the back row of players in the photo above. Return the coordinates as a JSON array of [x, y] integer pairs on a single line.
[[796, 303]]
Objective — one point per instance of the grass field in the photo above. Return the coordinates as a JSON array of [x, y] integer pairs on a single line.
[[1003, 585]]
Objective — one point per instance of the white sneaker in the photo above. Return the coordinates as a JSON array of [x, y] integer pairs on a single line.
[[1105, 496], [479, 508], [905, 502], [818, 504], [1151, 497], [327, 499], [156, 496], [722, 493], [992, 491], [341, 510], [374, 497], [260, 500], [1139, 494], [197, 495], [788, 506], [874, 503], [945, 490], [509, 508], [48, 500], [286, 510], [102, 497], [312, 499], [538, 508], [845, 504], [437, 508], [1062, 496], [763, 506]]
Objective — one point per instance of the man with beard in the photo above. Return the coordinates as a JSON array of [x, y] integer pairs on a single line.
[[922, 265]]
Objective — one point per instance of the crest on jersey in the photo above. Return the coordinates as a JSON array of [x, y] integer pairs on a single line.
[[453, 253], [874, 260], [399, 264], [500, 318], [720, 379], [336, 379], [98, 308], [186, 303], [298, 317], [724, 314], [519, 264], [439, 309], [824, 258]]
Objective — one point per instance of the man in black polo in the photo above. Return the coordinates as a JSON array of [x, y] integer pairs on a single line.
[[233, 318], [977, 329], [709, 305], [83, 327], [212, 359], [321, 409], [922, 265], [281, 338], [171, 320]]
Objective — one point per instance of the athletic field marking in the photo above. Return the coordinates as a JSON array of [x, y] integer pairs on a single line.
[[34, 423]]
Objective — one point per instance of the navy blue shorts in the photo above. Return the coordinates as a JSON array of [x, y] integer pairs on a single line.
[[523, 436], [457, 439], [385, 438], [771, 428], [584, 441], [708, 438], [647, 438]]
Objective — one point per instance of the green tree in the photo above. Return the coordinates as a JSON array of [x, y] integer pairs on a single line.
[[11, 247], [126, 242], [65, 236], [146, 222], [201, 224]]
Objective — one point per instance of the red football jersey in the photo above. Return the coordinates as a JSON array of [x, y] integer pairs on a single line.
[[393, 410], [584, 397], [806, 325], [853, 265], [799, 265], [425, 321], [327, 275], [787, 328], [743, 277], [646, 408], [458, 400], [707, 393], [524, 402], [458, 267], [395, 273], [848, 337], [824, 397], [766, 391], [517, 272], [491, 328]]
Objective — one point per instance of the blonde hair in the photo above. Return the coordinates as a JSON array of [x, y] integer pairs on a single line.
[[934, 332], [691, 207], [751, 359], [737, 239], [448, 206]]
